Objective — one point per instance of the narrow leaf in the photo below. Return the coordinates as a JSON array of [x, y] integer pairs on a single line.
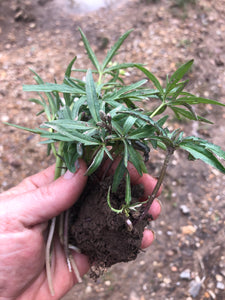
[[112, 52], [96, 162], [118, 175], [90, 52], [152, 78]]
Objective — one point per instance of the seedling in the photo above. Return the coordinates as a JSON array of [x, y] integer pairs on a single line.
[[100, 117]]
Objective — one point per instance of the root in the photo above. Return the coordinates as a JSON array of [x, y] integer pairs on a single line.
[[48, 255]]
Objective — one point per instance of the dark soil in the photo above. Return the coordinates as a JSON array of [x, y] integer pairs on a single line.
[[103, 235]]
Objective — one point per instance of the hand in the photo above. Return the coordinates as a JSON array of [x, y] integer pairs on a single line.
[[24, 214]]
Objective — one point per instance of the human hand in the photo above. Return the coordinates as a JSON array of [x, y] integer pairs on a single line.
[[24, 214]]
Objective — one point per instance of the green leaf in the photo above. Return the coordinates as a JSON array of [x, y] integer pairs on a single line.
[[36, 131], [152, 78], [52, 87], [130, 121], [73, 136], [113, 51], [90, 52], [178, 75], [118, 175], [199, 152], [96, 162], [117, 94], [92, 99], [70, 125], [195, 100], [134, 159], [120, 67]]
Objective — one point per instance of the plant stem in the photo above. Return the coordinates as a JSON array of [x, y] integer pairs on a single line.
[[51, 232], [157, 109], [170, 151]]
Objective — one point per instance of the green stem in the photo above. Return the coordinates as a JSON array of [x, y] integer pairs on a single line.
[[157, 109], [59, 162]]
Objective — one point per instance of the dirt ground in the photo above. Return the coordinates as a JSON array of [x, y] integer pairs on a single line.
[[187, 259]]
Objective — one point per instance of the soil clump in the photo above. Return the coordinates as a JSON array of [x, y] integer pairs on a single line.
[[106, 237]]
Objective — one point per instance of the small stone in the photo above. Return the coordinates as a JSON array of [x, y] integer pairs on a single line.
[[107, 282], [174, 269], [189, 229], [186, 274], [32, 25], [185, 210], [220, 285], [219, 277], [88, 289], [195, 286]]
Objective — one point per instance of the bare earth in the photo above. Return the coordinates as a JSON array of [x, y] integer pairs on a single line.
[[43, 36]]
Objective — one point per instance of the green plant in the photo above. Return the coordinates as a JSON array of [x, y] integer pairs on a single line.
[[100, 117]]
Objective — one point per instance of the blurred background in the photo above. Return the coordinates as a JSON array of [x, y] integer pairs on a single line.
[[187, 260]]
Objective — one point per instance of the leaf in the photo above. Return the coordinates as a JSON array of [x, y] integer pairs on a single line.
[[178, 75], [152, 78], [120, 67], [53, 87], [115, 47], [92, 99], [118, 175], [199, 152], [90, 52], [36, 131], [73, 136], [117, 94], [96, 162], [134, 159], [195, 100], [130, 121]]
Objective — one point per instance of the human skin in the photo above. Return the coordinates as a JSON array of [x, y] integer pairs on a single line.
[[24, 214]]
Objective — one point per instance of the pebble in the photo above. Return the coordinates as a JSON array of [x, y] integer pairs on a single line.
[[184, 209], [220, 285], [186, 274], [188, 229]]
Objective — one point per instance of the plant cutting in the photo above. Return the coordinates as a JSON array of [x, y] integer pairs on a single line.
[[101, 120]]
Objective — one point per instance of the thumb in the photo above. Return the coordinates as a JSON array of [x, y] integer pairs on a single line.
[[50, 200]]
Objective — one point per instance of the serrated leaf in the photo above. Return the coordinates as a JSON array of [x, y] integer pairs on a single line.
[[96, 162], [89, 50], [195, 100], [199, 152], [117, 94], [112, 52], [152, 78], [92, 99], [178, 75]]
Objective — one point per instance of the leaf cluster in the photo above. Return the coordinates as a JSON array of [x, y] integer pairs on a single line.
[[100, 117]]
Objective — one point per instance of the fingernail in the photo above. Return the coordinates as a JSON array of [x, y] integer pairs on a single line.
[[160, 203], [154, 234], [68, 175]]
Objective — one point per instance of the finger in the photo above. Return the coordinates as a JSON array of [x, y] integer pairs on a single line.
[[50, 200], [155, 209], [32, 182], [148, 238], [149, 183]]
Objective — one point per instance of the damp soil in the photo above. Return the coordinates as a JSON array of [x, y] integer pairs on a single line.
[[106, 237]]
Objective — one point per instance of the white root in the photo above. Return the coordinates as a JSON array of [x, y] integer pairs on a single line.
[[48, 255]]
